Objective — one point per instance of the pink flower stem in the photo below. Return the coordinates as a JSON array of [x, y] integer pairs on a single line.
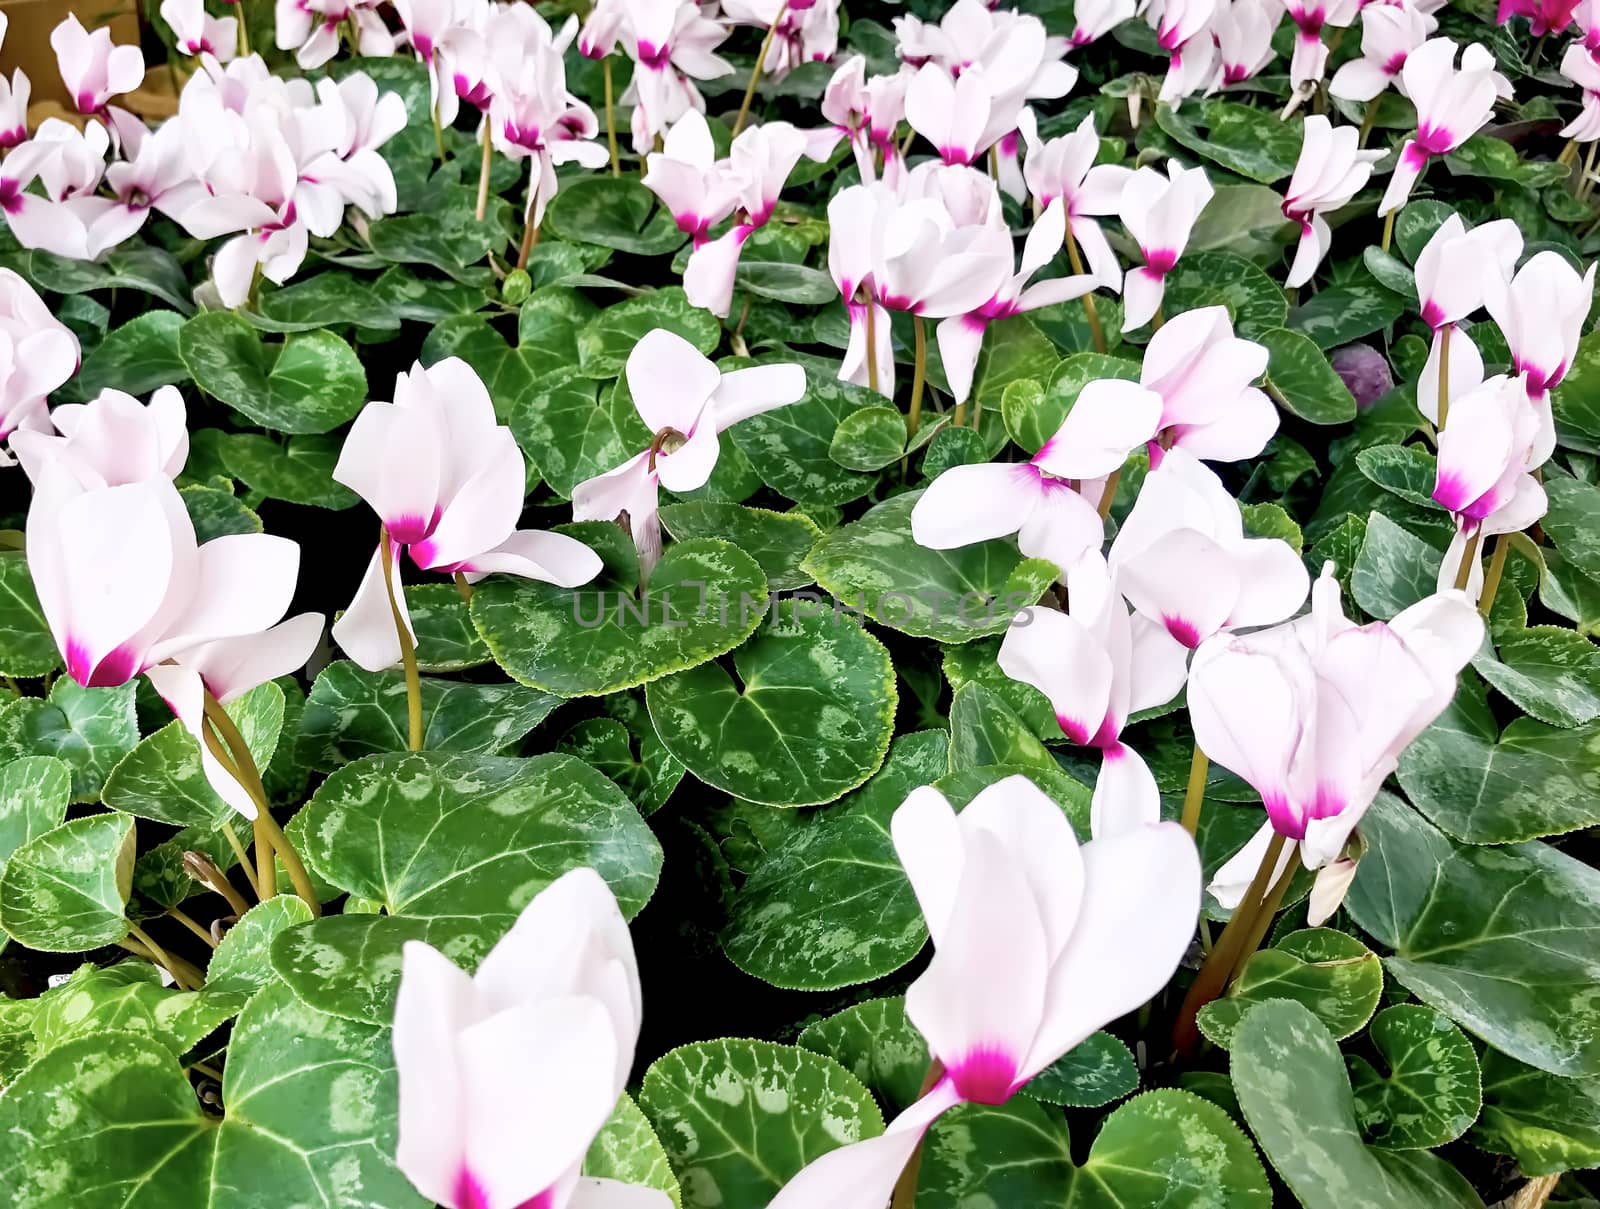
[[611, 120], [408, 651], [1096, 333], [755, 72], [463, 588], [187, 976], [1388, 229], [905, 1188], [1212, 979]]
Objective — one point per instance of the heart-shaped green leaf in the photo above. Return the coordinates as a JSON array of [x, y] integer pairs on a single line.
[[705, 597], [242, 962], [1406, 470], [1254, 300], [773, 1109], [162, 777], [27, 648], [1548, 1124], [648, 777], [1166, 1147], [808, 718], [627, 1149], [869, 439], [1485, 786], [435, 835], [137, 357], [875, 565], [1291, 1084], [1335, 975], [34, 792], [575, 429], [352, 713], [613, 212], [779, 541], [300, 470], [1339, 314], [1304, 380], [608, 338], [65, 891], [1431, 1093], [1504, 941], [829, 906], [1549, 672], [308, 384], [789, 447], [1242, 138], [449, 237], [128, 997], [88, 729]]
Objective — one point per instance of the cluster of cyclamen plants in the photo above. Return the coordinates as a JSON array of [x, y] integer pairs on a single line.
[[349, 903]]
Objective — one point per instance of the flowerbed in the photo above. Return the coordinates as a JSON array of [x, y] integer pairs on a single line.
[[803, 604]]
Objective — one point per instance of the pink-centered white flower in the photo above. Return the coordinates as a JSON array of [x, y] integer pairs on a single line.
[[868, 112], [110, 441], [1183, 561], [1064, 168], [1021, 58], [685, 401], [1311, 17], [93, 69], [695, 186], [1094, 19], [1452, 104], [1487, 450], [1038, 942], [507, 1075], [961, 336], [962, 117], [1243, 30], [759, 163], [1037, 499], [37, 354], [673, 45], [532, 116], [1389, 33], [936, 247], [1314, 715], [1579, 65], [1541, 312], [451, 37], [448, 483], [1586, 20], [126, 589], [312, 29], [1204, 376], [69, 165], [801, 33], [14, 94], [198, 32], [1159, 211], [1097, 665], [1331, 170], [1455, 272], [278, 165]]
